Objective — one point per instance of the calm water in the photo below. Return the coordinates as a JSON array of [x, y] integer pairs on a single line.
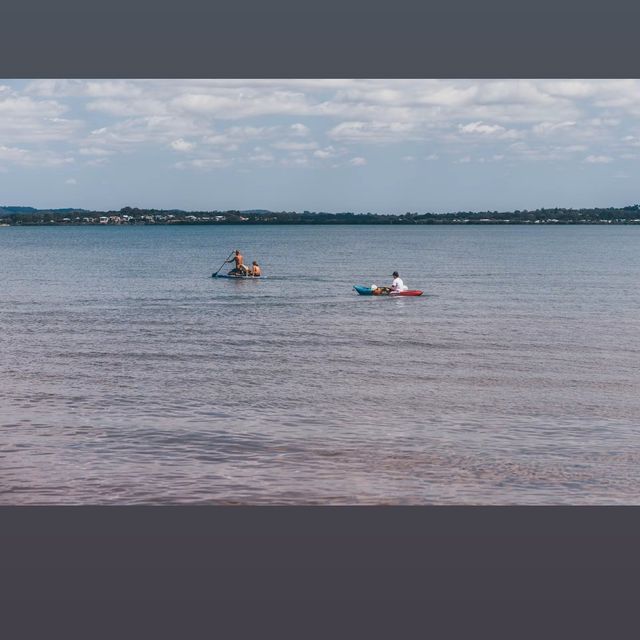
[[129, 375]]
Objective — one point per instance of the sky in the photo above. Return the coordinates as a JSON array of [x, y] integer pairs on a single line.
[[384, 146]]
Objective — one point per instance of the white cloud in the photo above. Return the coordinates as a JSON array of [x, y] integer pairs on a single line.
[[326, 152], [236, 103], [113, 88], [26, 120], [358, 161], [205, 163], [494, 158], [416, 101], [572, 148], [129, 134], [235, 136], [32, 158], [479, 127], [631, 141], [604, 122], [593, 159], [298, 160], [300, 129], [182, 145], [545, 128], [261, 158], [13, 154], [124, 108], [97, 162], [50, 87], [287, 145], [482, 129], [94, 151], [569, 88], [449, 96], [46, 119], [375, 132], [71, 181]]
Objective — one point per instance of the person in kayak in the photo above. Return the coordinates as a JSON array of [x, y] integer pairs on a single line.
[[397, 284], [239, 269], [255, 270]]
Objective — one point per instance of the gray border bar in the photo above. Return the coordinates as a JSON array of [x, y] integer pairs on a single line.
[[332, 38], [283, 554]]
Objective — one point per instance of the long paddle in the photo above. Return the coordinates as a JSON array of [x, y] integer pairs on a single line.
[[215, 273]]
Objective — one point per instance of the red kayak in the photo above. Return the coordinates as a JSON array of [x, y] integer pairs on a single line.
[[368, 291]]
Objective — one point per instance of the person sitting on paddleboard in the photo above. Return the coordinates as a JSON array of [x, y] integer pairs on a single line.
[[239, 268], [397, 284], [255, 270]]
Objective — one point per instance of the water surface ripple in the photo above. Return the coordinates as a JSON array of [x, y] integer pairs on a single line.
[[128, 375]]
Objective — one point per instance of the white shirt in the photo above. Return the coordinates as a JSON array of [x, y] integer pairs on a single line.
[[397, 284]]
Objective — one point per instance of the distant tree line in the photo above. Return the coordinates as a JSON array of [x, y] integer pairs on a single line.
[[133, 215]]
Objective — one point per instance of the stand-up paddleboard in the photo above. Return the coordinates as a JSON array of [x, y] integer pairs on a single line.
[[234, 276], [368, 291]]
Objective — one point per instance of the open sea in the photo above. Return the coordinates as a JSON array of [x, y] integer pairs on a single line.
[[129, 376]]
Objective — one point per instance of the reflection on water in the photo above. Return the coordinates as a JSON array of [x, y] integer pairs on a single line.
[[128, 375]]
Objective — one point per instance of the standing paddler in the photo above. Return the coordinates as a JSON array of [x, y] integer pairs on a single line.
[[239, 260]]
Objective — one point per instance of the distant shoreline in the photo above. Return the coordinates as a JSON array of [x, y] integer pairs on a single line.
[[29, 216], [323, 224]]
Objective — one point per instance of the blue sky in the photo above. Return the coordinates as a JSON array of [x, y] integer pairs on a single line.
[[386, 146]]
